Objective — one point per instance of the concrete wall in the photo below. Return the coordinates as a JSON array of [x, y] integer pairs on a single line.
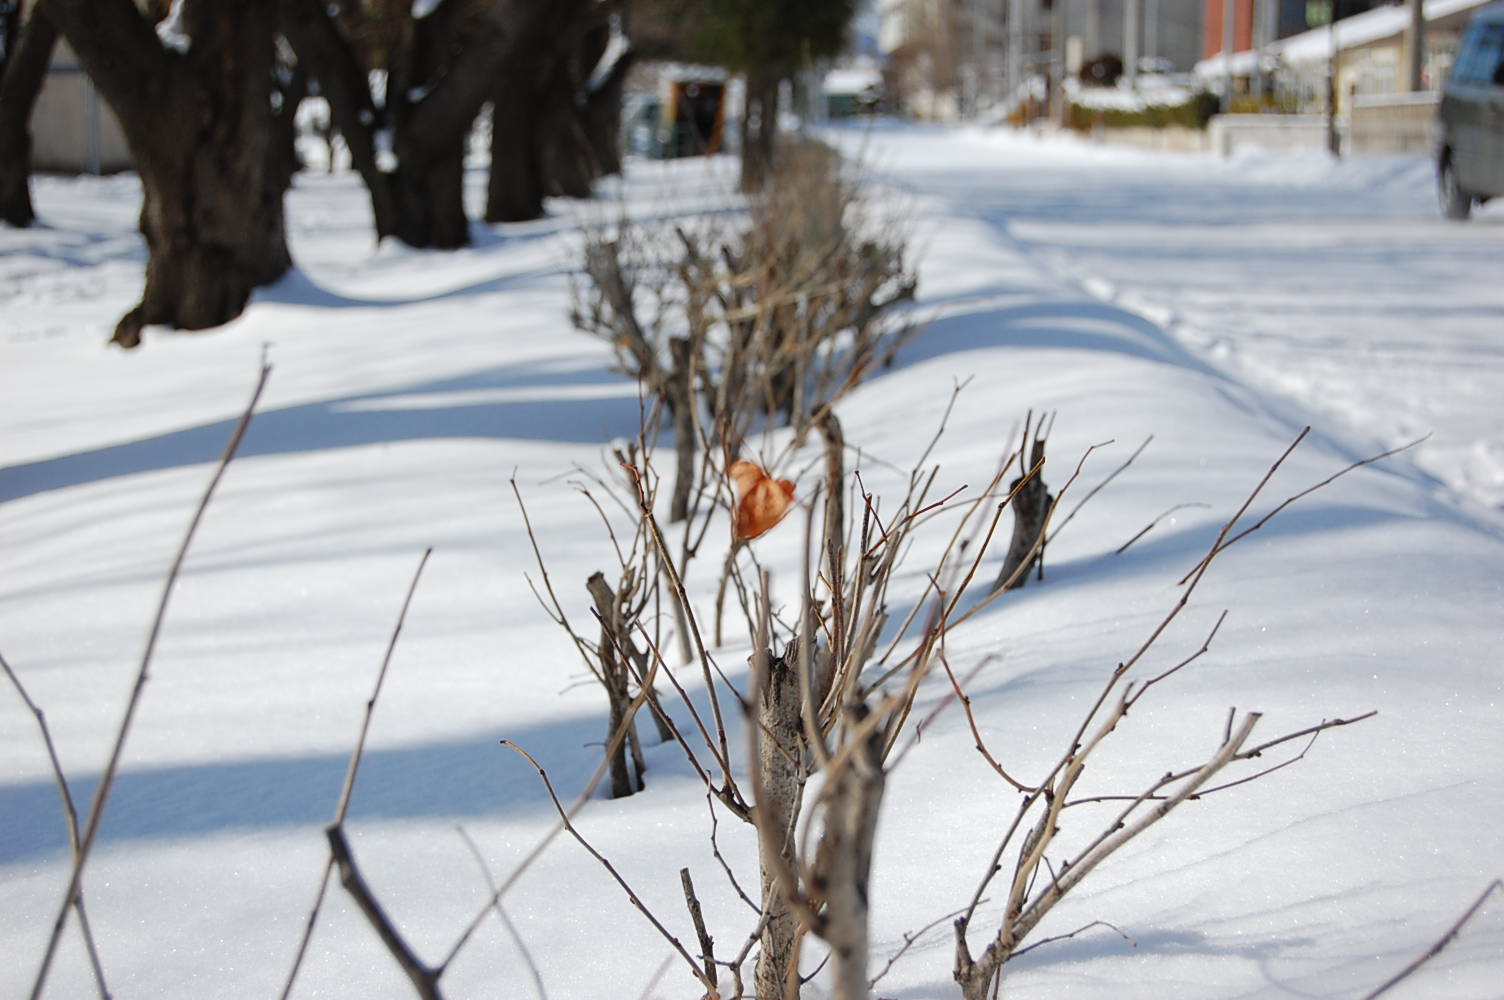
[[1171, 139], [1393, 123], [1227, 134]]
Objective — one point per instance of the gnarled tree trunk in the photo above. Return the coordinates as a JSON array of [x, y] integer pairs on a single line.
[[410, 149], [201, 130], [25, 68]]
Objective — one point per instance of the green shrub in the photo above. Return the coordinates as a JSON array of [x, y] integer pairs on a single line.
[[1194, 113]]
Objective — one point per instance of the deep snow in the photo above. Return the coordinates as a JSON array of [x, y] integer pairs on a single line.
[[1217, 305]]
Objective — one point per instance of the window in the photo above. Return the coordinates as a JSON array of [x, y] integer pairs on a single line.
[[1480, 61]]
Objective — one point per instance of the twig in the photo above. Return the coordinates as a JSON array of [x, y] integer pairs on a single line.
[[1079, 930], [501, 913], [386, 661], [424, 979], [70, 817], [343, 806], [976, 734], [107, 780], [707, 943], [715, 850], [1221, 544], [677, 584], [909, 939], [1150, 526], [1097, 489], [1495, 886], [632, 896]]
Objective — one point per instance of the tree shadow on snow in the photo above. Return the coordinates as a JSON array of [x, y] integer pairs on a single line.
[[468, 777], [528, 402]]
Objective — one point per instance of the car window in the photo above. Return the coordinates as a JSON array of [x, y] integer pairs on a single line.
[[1480, 60]]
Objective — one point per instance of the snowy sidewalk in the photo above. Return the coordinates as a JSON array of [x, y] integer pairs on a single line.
[[410, 389]]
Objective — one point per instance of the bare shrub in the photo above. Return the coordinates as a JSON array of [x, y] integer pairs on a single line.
[[831, 693], [774, 320]]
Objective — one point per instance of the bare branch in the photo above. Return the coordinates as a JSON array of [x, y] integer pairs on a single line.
[[909, 939], [351, 771], [707, 943], [424, 979], [107, 779], [1497, 885], [365, 723], [501, 913], [70, 819], [632, 896], [1079, 930], [1098, 488], [1150, 526]]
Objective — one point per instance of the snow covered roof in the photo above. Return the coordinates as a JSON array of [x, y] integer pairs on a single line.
[[1316, 45], [853, 80]]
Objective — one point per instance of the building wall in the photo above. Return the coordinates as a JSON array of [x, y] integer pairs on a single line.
[[1215, 22], [72, 129]]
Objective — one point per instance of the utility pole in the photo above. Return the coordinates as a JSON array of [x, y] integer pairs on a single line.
[[1057, 61], [1132, 21], [1229, 39], [1333, 136], [1415, 40], [1151, 30], [1015, 73]]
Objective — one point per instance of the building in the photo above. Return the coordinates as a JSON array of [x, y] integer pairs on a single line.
[[1364, 55], [72, 129], [956, 58]]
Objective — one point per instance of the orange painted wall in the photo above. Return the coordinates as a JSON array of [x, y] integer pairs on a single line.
[[1242, 26]]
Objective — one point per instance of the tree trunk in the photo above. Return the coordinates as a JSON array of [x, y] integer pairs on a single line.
[[416, 183], [678, 391], [843, 862], [602, 117], [780, 754], [201, 132], [528, 120], [569, 168], [428, 192], [20, 83], [514, 190], [759, 130]]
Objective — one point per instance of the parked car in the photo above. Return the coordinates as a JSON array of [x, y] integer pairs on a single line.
[[1470, 155]]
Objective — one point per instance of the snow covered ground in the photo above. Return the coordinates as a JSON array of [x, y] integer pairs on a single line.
[[1217, 305]]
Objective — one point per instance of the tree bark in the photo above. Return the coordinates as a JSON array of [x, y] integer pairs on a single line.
[[780, 759], [843, 863], [202, 136], [534, 118], [20, 82], [409, 151], [514, 188]]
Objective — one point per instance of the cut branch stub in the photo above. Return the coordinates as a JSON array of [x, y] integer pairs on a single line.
[[1031, 502], [616, 643]]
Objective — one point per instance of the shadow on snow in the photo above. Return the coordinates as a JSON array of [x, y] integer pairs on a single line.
[[480, 409]]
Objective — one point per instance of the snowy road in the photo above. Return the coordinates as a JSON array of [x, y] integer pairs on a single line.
[[1338, 286]]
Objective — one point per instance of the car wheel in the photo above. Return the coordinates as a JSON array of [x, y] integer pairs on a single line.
[[1455, 202]]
